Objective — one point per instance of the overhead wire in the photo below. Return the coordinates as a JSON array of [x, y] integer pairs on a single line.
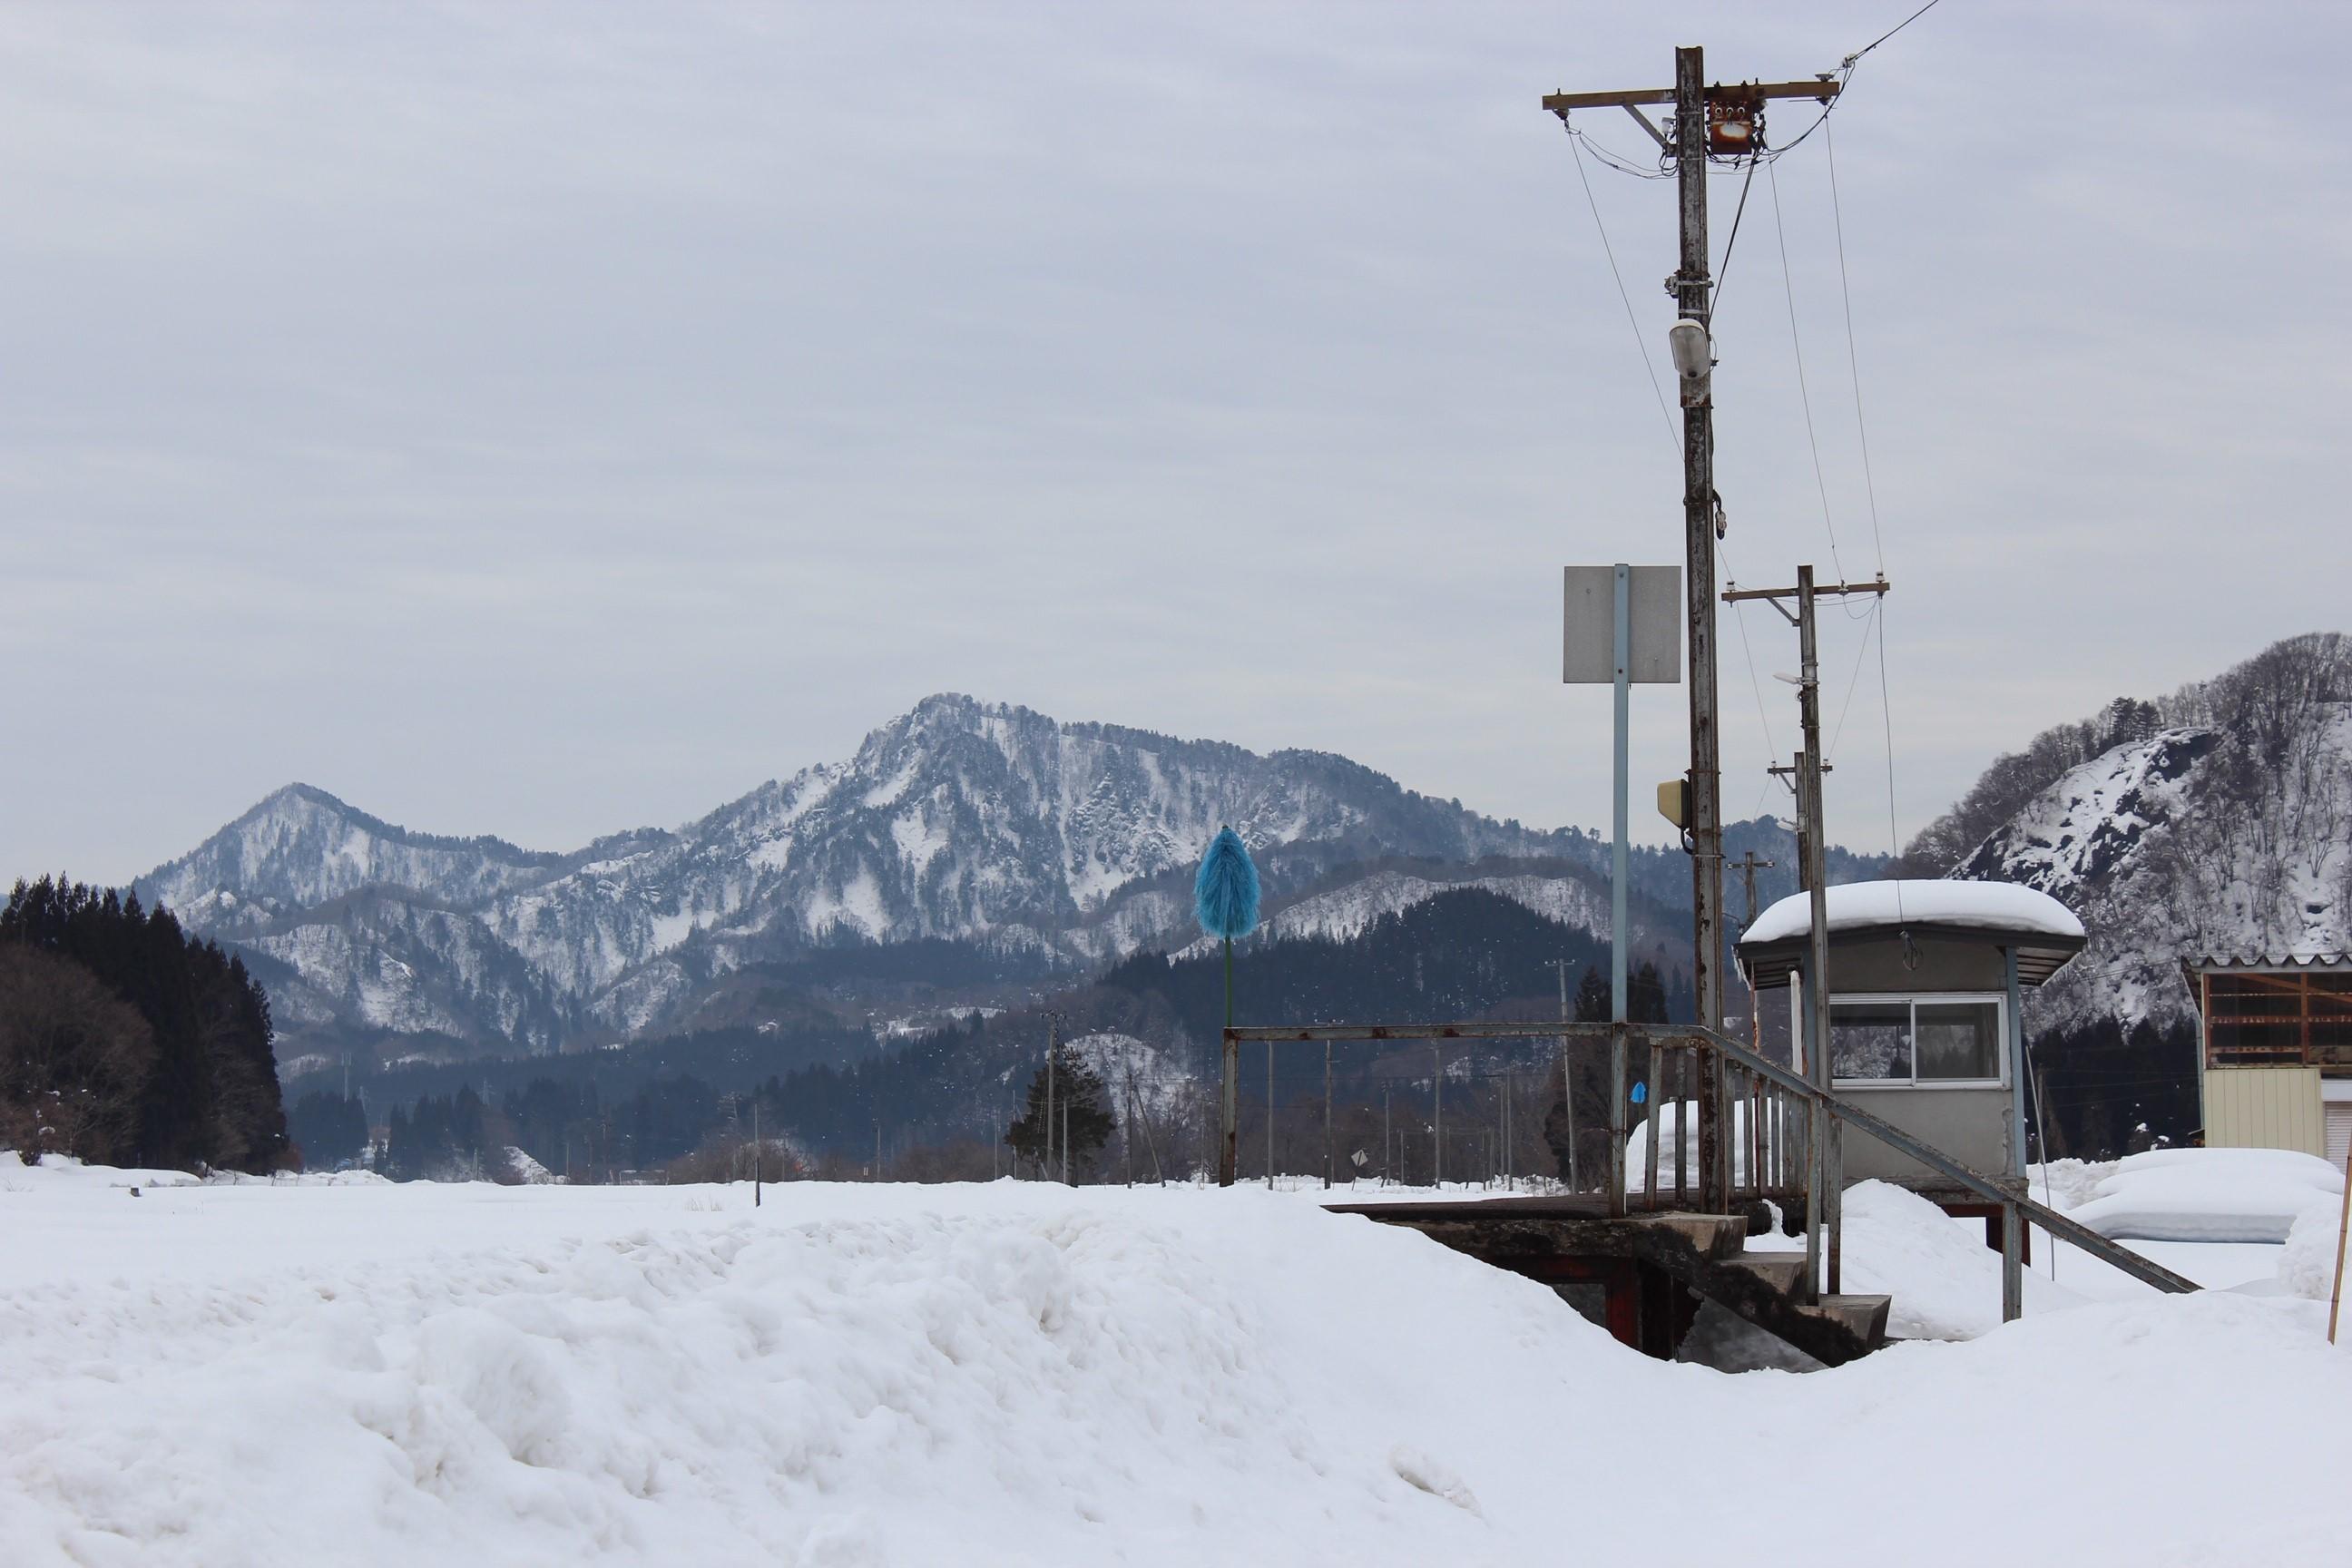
[[1887, 712], [1618, 161], [1841, 78], [1852, 360], [1853, 681], [1640, 345], [1804, 395], [1739, 618], [1723, 268], [1890, 32]]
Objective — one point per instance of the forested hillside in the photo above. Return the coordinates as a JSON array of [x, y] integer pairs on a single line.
[[122, 1042], [2216, 820], [939, 1102]]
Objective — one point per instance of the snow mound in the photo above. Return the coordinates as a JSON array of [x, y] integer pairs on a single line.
[[2307, 1262], [2067, 1184], [2210, 1195], [1945, 1281], [1030, 1373], [59, 1172]]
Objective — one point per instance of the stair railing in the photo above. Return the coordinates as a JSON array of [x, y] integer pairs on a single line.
[[1789, 1134], [2015, 1207]]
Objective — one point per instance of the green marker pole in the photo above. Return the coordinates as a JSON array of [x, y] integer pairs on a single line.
[[1230, 1153]]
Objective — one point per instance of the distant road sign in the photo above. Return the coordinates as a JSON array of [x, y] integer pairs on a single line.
[[1589, 635]]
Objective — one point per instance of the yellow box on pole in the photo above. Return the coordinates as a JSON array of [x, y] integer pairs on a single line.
[[1673, 802]]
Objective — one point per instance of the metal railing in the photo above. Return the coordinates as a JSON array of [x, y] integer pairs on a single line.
[[1788, 1138]]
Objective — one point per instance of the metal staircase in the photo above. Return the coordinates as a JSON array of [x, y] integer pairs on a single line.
[[1645, 1274], [1652, 1267]]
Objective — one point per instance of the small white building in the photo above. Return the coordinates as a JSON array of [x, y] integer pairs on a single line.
[[1925, 984]]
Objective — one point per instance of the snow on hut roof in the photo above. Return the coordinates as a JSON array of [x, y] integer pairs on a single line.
[[1983, 906]]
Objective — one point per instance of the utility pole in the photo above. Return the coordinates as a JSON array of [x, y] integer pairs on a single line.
[[1136, 1116], [1326, 1116], [1269, 1116], [1387, 1144], [1052, 1049], [1508, 1173], [1732, 118], [758, 1148], [1749, 866], [1437, 1123], [1567, 1078], [1823, 1205]]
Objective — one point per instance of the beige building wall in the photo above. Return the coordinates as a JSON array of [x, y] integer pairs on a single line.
[[2264, 1108]]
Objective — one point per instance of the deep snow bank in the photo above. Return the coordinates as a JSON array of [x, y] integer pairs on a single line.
[[2210, 1195], [1025, 1373]]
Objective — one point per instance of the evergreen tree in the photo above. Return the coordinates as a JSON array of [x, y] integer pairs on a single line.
[[1593, 998], [1080, 1113], [1645, 995], [203, 1089], [399, 1146]]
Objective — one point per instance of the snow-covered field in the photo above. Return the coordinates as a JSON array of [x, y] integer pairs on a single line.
[[360, 1373]]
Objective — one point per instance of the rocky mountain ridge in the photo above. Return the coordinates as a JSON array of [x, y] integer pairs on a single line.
[[1054, 846], [2214, 821]]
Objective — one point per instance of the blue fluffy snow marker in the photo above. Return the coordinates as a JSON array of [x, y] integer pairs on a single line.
[[1640, 1094], [1224, 895], [1224, 900]]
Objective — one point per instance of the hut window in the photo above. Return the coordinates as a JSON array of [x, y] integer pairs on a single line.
[[1915, 1040], [1959, 1039], [1870, 1040]]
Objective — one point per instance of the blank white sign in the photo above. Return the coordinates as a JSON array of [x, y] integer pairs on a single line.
[[1654, 604]]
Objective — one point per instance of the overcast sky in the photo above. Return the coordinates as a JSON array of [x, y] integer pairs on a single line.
[[546, 421]]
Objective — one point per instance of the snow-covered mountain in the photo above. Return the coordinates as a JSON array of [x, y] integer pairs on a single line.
[[1056, 845], [2218, 821]]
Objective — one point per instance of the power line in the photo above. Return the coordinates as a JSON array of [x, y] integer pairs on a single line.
[[1869, 479], [1723, 268], [1843, 77], [1854, 364], [1848, 61], [1640, 345], [1804, 396], [1618, 161], [1886, 713], [1739, 616], [1853, 682]]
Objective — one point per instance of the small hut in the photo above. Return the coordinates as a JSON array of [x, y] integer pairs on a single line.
[[2276, 1069], [1924, 984]]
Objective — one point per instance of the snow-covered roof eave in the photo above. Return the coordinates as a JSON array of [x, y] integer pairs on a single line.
[[1998, 908]]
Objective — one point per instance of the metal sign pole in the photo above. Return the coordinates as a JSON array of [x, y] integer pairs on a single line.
[[1618, 854], [1637, 637]]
